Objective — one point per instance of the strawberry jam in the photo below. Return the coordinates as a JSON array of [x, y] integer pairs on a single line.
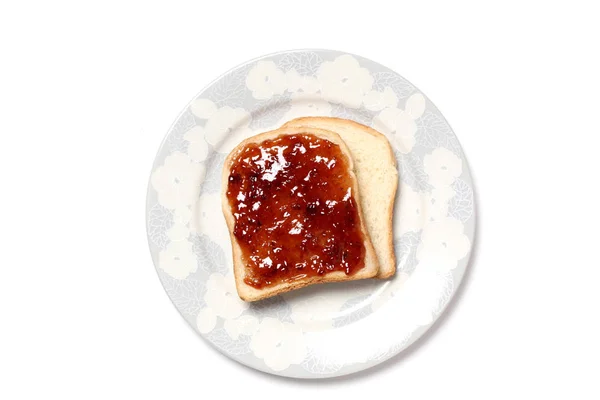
[[294, 209]]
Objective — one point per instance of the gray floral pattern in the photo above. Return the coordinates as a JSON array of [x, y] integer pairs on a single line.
[[318, 331], [159, 220]]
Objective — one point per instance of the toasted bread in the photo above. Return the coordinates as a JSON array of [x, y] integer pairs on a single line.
[[250, 293], [375, 168]]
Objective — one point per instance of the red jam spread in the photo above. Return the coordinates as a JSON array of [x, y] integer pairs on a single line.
[[295, 214]]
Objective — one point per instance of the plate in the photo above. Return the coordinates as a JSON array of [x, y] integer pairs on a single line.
[[325, 330]]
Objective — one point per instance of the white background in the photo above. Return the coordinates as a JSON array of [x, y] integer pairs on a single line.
[[89, 89]]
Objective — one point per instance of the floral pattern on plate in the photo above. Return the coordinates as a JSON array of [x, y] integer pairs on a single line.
[[323, 330]]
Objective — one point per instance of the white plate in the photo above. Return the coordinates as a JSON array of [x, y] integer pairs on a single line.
[[325, 330]]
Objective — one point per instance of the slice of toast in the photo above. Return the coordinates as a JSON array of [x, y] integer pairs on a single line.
[[375, 168], [250, 293]]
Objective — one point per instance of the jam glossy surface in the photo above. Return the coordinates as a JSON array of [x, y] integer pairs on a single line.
[[295, 213]]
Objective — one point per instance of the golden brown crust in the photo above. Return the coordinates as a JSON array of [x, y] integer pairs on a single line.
[[315, 120], [249, 293], [318, 122]]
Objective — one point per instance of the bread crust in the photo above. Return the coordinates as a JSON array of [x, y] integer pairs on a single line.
[[250, 293], [330, 123]]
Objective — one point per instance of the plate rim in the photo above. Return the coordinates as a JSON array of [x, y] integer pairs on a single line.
[[349, 369]]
